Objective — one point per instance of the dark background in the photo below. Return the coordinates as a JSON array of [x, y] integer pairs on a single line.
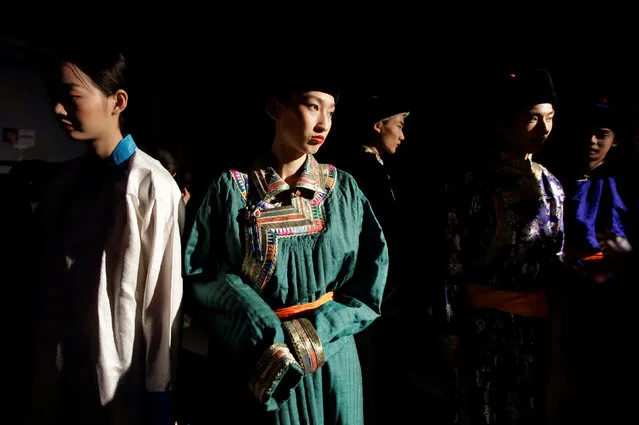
[[204, 98]]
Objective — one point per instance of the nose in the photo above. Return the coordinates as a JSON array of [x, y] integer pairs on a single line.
[[59, 109], [401, 136], [543, 127], [593, 140], [324, 123]]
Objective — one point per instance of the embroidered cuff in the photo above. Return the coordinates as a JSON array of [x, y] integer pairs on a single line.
[[305, 344], [276, 374]]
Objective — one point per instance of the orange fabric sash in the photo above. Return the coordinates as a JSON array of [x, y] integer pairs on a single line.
[[296, 310], [595, 257], [529, 304]]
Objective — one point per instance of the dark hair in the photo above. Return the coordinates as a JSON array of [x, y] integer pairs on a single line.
[[382, 108], [603, 114], [167, 160], [517, 90], [285, 93], [106, 66]]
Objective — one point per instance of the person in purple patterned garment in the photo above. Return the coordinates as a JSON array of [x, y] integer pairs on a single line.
[[505, 241]]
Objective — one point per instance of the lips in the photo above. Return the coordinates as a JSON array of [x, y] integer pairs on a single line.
[[319, 139]]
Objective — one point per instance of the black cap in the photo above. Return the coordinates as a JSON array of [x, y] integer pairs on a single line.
[[287, 90], [382, 108], [603, 114], [527, 87]]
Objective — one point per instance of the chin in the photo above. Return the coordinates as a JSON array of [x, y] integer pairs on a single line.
[[77, 136]]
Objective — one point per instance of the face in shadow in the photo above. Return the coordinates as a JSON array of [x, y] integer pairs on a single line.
[[303, 122], [526, 130], [391, 134], [598, 143]]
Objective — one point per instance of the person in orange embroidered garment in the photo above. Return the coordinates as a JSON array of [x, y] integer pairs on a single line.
[[287, 262], [505, 236]]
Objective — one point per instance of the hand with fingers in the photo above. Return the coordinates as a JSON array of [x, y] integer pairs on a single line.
[[612, 244], [615, 249], [186, 195]]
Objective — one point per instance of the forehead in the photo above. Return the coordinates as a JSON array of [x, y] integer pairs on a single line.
[[71, 75], [542, 109], [319, 96], [600, 127]]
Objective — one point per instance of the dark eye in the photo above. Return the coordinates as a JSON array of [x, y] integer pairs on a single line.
[[600, 134], [313, 106]]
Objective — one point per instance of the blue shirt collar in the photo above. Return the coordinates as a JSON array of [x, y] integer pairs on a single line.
[[123, 151]]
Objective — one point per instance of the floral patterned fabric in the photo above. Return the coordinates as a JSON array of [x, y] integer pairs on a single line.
[[505, 231]]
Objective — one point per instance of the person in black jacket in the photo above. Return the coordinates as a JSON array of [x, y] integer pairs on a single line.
[[382, 133], [369, 163]]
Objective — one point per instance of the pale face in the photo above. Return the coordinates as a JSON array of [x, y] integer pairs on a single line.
[[82, 109], [391, 134], [304, 123], [528, 129], [599, 144]]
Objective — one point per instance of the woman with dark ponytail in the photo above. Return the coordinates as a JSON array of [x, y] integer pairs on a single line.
[[110, 286]]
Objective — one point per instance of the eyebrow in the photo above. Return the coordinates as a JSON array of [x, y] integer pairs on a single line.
[[320, 100], [541, 113]]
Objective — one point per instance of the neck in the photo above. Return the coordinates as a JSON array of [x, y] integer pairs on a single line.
[[512, 150], [517, 155], [289, 162], [104, 146], [595, 163]]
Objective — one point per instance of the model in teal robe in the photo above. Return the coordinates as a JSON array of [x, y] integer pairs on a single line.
[[258, 245]]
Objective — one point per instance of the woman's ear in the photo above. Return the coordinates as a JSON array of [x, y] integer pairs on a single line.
[[377, 127], [121, 101]]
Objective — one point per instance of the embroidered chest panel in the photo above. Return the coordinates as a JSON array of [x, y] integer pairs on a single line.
[[525, 215], [266, 223]]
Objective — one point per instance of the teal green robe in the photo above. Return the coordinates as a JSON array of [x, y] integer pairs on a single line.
[[240, 268]]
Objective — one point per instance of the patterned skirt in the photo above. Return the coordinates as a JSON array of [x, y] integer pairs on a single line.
[[504, 368]]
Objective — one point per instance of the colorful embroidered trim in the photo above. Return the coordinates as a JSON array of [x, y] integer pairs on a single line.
[[307, 347], [269, 184], [265, 223], [369, 150], [242, 182], [269, 370]]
